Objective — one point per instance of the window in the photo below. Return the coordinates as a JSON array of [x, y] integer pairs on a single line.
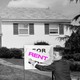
[[54, 29], [23, 29]]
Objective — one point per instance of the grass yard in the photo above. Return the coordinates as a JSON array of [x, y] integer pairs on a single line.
[[9, 73], [15, 61]]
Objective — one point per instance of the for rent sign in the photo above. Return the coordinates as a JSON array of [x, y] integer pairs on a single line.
[[37, 53]]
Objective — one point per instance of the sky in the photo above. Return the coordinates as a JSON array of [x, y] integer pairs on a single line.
[[31, 3], [37, 3], [63, 6]]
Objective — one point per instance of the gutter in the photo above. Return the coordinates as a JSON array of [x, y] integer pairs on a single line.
[[38, 20]]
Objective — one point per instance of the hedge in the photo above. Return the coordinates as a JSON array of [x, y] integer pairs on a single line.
[[17, 53], [75, 56], [41, 43], [75, 67], [10, 53], [5, 53]]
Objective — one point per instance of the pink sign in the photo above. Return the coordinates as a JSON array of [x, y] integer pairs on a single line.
[[35, 55]]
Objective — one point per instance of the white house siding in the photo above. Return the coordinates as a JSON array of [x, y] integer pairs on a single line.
[[18, 41], [0, 35]]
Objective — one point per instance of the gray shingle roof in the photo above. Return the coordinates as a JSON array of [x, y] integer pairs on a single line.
[[30, 14]]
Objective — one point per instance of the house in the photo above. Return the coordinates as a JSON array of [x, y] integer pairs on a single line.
[[26, 26]]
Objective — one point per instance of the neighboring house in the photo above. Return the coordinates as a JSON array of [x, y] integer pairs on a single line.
[[26, 26]]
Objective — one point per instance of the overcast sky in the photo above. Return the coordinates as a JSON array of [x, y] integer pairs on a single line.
[[34, 3], [37, 3], [30, 3]]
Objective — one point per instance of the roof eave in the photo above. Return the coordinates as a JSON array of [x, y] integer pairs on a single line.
[[37, 20]]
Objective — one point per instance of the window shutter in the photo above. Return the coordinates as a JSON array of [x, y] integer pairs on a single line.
[[0, 41], [31, 29], [15, 28], [61, 29], [46, 29]]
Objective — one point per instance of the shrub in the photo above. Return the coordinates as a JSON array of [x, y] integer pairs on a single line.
[[5, 53], [68, 56], [17, 53], [22, 49], [41, 43], [76, 56], [75, 67], [73, 43]]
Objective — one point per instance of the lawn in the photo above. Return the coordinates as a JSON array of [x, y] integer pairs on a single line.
[[15, 61], [9, 73]]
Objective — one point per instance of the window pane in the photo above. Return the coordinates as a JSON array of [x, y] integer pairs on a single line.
[[23, 31], [23, 26], [53, 26], [53, 31]]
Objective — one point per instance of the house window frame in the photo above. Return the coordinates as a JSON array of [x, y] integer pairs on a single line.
[[23, 28], [57, 27]]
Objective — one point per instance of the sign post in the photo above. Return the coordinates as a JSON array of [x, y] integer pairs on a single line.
[[53, 76]]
